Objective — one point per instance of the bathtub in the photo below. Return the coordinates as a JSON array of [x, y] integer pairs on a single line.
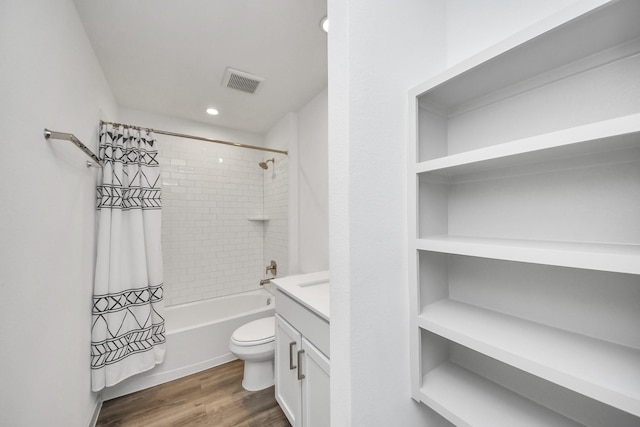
[[198, 336]]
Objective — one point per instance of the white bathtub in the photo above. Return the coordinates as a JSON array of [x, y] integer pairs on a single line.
[[198, 336]]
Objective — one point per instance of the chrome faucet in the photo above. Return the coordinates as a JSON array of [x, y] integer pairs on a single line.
[[264, 282], [273, 268]]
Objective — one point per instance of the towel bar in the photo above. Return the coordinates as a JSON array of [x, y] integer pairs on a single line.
[[49, 134]]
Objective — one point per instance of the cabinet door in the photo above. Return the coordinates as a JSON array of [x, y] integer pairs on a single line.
[[315, 387], [288, 393]]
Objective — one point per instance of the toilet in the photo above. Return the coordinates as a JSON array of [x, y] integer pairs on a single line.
[[254, 343]]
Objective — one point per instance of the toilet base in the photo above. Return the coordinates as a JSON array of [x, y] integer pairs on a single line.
[[258, 375]]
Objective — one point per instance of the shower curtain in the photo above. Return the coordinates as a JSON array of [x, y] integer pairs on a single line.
[[127, 332]]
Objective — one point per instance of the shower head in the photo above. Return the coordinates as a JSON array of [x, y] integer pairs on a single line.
[[264, 165]]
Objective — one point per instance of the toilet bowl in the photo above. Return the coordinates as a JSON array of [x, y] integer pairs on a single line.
[[254, 343]]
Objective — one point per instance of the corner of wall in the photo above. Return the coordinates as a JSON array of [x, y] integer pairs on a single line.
[[93, 420], [294, 195]]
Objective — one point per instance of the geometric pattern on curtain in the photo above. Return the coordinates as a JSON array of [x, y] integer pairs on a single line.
[[121, 345], [127, 331]]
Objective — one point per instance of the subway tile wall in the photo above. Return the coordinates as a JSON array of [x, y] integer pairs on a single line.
[[210, 247], [276, 209]]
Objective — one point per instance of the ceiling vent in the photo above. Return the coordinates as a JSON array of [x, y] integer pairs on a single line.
[[239, 80]]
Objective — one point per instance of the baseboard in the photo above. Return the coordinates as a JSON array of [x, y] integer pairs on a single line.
[[96, 411], [150, 380]]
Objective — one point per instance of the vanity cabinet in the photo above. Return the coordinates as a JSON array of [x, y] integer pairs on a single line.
[[288, 386], [301, 367], [315, 387], [524, 227]]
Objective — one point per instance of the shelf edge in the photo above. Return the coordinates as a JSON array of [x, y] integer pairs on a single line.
[[592, 132], [549, 255], [490, 388]]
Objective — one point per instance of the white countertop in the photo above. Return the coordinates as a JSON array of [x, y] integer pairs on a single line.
[[311, 290]]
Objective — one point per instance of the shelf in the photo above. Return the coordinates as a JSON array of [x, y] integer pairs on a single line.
[[258, 218], [578, 32], [606, 135], [467, 399], [601, 370], [615, 258]]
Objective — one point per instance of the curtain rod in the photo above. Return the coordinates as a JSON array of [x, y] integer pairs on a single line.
[[200, 138]]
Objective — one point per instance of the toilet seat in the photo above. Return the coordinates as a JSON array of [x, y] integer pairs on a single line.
[[257, 332]]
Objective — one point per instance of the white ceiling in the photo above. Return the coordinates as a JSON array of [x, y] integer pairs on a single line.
[[169, 56]]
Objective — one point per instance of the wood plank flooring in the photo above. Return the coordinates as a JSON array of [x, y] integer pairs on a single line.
[[214, 397]]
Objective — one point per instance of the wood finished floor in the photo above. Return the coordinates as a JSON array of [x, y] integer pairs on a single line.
[[214, 397]]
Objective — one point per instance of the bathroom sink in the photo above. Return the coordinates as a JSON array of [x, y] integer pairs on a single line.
[[313, 283], [311, 290]]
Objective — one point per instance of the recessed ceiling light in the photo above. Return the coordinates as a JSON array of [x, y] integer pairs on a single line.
[[324, 24], [212, 111]]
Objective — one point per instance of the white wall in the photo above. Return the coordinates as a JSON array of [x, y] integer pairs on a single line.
[[283, 134], [475, 25], [49, 77], [377, 51], [305, 135], [313, 197]]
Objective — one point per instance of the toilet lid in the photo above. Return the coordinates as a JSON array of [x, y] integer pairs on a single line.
[[256, 332]]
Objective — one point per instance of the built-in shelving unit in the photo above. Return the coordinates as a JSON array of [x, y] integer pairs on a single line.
[[524, 226]]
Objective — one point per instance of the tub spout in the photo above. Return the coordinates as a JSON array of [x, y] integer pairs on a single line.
[[264, 282]]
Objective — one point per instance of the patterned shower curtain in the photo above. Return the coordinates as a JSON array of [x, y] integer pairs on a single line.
[[127, 332]]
